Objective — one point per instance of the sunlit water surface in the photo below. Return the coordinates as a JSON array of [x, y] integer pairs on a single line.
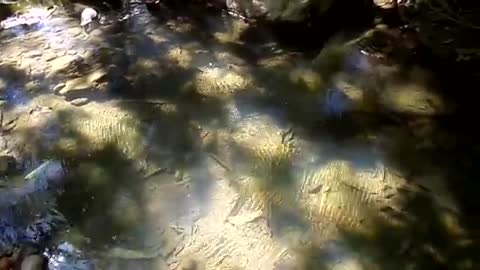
[[204, 146]]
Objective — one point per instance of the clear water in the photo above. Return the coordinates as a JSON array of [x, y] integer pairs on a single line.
[[208, 146]]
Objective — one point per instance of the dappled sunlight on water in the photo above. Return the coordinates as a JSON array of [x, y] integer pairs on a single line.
[[186, 144]]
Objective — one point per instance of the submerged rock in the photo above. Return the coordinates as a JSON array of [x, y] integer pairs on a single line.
[[27, 214], [378, 71], [79, 101], [385, 4], [336, 103], [87, 16], [58, 87], [280, 10], [87, 82], [61, 63]]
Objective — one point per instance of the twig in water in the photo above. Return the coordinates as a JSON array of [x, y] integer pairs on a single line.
[[205, 135], [316, 189], [7, 127], [220, 162], [155, 172]]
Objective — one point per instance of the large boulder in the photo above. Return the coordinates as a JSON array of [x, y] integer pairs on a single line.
[[279, 10]]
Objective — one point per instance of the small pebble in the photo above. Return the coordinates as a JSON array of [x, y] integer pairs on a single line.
[[50, 57], [33, 54], [79, 101], [58, 87], [71, 52]]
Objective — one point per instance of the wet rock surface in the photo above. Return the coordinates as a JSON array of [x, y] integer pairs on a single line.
[[279, 11]]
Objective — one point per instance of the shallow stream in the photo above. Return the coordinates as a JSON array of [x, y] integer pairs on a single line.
[[199, 142]]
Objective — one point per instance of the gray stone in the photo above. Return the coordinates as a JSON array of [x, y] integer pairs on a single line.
[[187, 264], [58, 87], [385, 4], [77, 84], [97, 75], [79, 101], [87, 16], [279, 10], [84, 83], [60, 63]]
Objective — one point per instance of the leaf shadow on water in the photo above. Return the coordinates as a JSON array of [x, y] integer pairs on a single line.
[[13, 81], [401, 152], [417, 233], [423, 242], [103, 176], [104, 195]]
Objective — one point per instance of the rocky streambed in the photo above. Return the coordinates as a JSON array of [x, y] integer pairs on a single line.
[[201, 142]]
